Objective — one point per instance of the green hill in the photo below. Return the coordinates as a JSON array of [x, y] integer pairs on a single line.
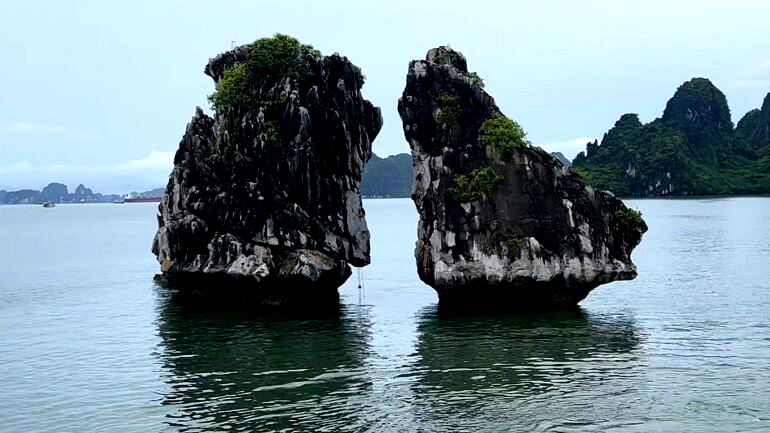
[[388, 177], [693, 149]]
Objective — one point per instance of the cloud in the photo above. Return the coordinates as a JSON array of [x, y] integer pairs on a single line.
[[749, 84], [144, 173], [756, 76], [570, 148], [153, 161], [44, 129], [761, 69]]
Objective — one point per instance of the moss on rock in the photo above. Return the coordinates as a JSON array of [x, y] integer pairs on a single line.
[[502, 134], [477, 184]]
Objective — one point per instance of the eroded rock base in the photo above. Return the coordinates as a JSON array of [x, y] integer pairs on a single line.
[[242, 293], [527, 297]]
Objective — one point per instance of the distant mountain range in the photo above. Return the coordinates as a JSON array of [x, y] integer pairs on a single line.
[[55, 192], [692, 149], [58, 193]]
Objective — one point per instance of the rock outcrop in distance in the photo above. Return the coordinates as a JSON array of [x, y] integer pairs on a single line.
[[502, 222], [692, 149], [560, 156], [263, 200]]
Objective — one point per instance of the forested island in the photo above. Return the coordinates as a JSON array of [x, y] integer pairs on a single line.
[[389, 177], [693, 149]]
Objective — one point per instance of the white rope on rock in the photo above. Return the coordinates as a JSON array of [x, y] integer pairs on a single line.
[[360, 285]]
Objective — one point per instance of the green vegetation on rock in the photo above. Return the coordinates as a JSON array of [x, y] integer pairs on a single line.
[[514, 242], [449, 109], [475, 79], [630, 219], [477, 184], [582, 173], [502, 134], [233, 89], [269, 60], [692, 149], [272, 131], [359, 74], [447, 57]]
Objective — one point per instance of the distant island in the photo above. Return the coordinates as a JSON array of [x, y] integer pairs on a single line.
[[560, 156], [693, 149], [59, 193], [389, 177], [153, 195]]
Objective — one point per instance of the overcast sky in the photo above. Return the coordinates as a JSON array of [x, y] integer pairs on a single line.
[[100, 92]]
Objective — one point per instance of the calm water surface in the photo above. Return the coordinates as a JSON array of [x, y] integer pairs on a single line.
[[89, 344]]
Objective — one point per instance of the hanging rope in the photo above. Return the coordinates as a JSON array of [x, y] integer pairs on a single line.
[[360, 286]]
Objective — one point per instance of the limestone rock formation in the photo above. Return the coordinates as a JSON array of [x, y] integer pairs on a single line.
[[692, 149], [266, 192], [389, 177], [560, 156], [55, 192], [699, 109], [754, 128], [501, 221]]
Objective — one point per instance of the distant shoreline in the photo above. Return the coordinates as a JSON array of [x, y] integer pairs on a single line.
[[76, 203], [689, 197]]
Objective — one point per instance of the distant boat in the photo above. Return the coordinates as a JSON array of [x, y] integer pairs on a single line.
[[143, 200], [49, 204], [118, 201]]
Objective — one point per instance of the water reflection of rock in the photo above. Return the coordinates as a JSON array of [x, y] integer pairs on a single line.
[[230, 371], [524, 371]]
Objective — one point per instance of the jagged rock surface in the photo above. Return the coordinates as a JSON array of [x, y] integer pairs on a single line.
[[268, 194], [542, 237], [700, 111]]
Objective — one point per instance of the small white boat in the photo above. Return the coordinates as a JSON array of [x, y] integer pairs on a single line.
[[118, 201], [49, 204]]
